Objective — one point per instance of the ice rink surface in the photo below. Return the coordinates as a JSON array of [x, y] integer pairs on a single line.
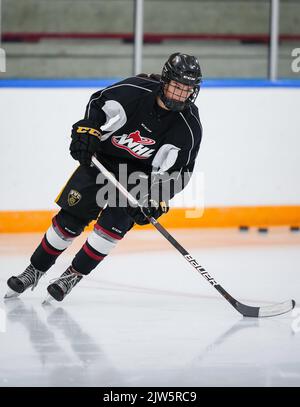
[[144, 317]]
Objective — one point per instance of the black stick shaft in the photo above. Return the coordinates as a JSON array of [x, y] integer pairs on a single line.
[[189, 258], [192, 261]]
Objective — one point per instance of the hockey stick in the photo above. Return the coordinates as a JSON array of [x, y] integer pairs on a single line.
[[245, 310]]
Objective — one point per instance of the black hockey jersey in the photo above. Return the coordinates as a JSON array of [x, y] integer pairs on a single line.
[[139, 133]]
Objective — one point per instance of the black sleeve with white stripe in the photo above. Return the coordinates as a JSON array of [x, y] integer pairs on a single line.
[[94, 110]]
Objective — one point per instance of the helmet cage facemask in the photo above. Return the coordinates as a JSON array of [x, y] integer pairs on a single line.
[[172, 104]]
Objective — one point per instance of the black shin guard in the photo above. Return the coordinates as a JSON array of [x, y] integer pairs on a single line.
[[45, 255], [87, 259], [64, 229]]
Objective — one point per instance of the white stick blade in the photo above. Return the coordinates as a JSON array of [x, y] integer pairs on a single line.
[[276, 309]]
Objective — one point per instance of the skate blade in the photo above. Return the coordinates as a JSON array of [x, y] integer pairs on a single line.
[[11, 294], [48, 300]]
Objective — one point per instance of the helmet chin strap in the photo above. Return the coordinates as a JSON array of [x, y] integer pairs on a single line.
[[171, 104]]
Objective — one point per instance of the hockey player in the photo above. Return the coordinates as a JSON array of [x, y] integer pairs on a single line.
[[152, 126]]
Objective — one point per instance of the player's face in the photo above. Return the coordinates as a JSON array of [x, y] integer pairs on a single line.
[[178, 91]]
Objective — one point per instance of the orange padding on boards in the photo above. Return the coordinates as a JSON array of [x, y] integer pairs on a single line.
[[39, 221]]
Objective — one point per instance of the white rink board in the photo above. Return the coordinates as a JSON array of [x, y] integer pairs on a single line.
[[250, 153]]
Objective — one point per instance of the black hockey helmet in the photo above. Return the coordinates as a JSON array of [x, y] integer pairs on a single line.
[[184, 69]]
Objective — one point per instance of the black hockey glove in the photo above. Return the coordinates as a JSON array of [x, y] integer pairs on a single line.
[[85, 141], [151, 208]]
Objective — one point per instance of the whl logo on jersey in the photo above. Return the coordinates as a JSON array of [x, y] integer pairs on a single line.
[[135, 144]]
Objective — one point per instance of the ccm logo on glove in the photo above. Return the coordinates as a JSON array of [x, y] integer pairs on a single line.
[[85, 141], [89, 130]]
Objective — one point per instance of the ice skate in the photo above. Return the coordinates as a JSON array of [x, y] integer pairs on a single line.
[[63, 285], [17, 285], [10, 294]]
